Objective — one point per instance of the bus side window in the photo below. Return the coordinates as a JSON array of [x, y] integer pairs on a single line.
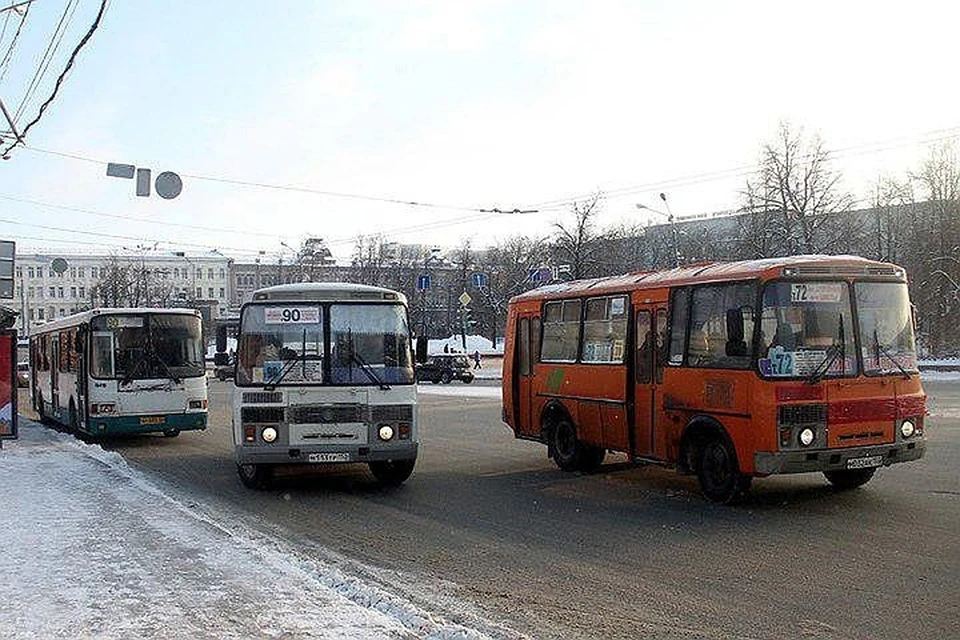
[[680, 303]]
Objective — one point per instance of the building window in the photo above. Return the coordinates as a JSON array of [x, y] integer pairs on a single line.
[[53, 292], [83, 292], [209, 274], [29, 272], [81, 271], [199, 274], [222, 292], [210, 292], [59, 292], [73, 272], [19, 272], [222, 274], [199, 292], [30, 292], [176, 272], [93, 272], [73, 292], [63, 312], [39, 313]]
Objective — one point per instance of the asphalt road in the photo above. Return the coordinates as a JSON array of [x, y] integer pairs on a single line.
[[624, 553]]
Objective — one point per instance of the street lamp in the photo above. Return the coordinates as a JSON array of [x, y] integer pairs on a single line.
[[673, 226]]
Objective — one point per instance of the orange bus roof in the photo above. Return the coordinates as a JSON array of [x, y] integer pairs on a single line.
[[844, 265]]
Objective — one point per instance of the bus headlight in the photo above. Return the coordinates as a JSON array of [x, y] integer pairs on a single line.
[[269, 434], [806, 437], [907, 429], [386, 432]]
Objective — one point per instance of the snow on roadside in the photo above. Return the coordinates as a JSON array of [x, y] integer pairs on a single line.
[[460, 390], [101, 550]]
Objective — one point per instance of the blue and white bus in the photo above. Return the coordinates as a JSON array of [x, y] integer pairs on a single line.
[[119, 371], [324, 375]]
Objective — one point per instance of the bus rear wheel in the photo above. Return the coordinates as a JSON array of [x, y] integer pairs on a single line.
[[392, 473], [845, 479], [718, 472], [255, 476], [171, 433]]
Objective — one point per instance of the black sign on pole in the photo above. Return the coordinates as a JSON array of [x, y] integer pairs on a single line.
[[7, 252]]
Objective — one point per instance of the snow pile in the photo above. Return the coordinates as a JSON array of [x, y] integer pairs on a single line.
[[102, 551]]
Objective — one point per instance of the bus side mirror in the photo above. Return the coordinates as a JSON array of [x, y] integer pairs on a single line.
[[221, 338], [421, 355]]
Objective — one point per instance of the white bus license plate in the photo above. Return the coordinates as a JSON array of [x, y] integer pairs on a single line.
[[864, 463], [328, 457]]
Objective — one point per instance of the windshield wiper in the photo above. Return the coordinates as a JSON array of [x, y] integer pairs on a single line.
[[271, 384], [880, 349], [166, 367], [837, 349], [365, 366]]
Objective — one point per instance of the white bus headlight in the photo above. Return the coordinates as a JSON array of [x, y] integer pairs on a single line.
[[907, 429], [386, 432], [807, 436], [269, 434]]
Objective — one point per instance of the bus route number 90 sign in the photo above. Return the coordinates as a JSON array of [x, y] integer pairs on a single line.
[[291, 315]]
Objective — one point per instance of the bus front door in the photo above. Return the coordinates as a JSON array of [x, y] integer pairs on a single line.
[[651, 333], [55, 376], [528, 340]]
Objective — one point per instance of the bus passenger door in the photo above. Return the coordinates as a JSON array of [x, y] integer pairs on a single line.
[[528, 340], [55, 374], [650, 357]]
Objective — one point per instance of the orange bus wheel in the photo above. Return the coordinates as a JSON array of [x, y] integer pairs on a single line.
[[718, 472]]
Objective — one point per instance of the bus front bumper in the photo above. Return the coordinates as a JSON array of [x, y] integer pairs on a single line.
[[766, 463], [246, 454], [112, 425]]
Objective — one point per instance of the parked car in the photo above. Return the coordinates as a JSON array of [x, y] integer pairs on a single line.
[[444, 369], [224, 372], [23, 374]]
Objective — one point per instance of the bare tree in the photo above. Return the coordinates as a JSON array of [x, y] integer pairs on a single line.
[[578, 244], [794, 193]]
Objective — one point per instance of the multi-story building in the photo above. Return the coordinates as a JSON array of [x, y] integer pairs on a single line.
[[53, 285]]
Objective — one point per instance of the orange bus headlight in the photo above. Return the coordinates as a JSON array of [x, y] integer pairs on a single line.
[[907, 429]]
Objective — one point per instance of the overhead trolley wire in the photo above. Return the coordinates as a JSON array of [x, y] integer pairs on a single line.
[[52, 47]]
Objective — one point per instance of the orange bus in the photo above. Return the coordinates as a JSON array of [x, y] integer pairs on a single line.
[[725, 370]]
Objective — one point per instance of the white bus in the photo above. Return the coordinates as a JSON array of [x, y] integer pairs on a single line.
[[107, 372], [324, 374]]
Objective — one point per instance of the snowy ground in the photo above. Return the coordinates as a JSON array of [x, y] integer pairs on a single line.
[[92, 548]]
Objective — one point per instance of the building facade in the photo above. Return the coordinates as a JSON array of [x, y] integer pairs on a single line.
[[53, 285]]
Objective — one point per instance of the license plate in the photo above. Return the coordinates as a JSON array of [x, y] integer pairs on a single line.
[[864, 463], [328, 457], [152, 420]]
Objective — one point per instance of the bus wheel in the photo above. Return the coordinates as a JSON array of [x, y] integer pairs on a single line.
[[849, 478], [171, 433], [719, 475], [392, 473], [568, 452], [255, 476]]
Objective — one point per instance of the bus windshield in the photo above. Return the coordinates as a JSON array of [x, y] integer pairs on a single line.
[[886, 328], [285, 344], [807, 330], [146, 346]]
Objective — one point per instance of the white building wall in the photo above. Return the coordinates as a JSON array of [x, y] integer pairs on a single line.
[[40, 293]]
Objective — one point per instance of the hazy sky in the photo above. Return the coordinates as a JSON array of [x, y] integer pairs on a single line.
[[470, 105]]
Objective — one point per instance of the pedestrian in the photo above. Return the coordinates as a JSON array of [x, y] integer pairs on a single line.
[[476, 359]]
